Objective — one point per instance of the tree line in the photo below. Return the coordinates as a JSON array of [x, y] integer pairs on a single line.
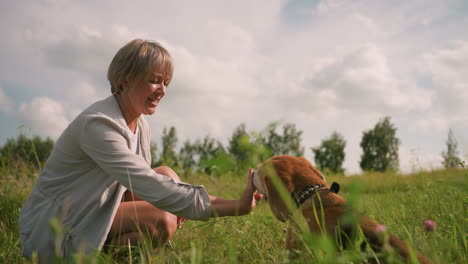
[[246, 149]]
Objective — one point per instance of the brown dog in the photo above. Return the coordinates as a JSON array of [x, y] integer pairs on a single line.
[[309, 193]]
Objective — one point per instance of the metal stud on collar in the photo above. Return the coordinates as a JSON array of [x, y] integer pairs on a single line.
[[306, 193]]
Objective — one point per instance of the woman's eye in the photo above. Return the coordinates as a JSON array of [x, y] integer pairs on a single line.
[[159, 81]]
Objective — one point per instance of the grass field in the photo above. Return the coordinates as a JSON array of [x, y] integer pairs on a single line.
[[400, 202]]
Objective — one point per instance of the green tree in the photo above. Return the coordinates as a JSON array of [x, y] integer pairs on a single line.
[[238, 143], [218, 162], [380, 147], [329, 156], [188, 155], [247, 149], [191, 154], [154, 155], [207, 148], [287, 143], [451, 159], [169, 141], [207, 155]]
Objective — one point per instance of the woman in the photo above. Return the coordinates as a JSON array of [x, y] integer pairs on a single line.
[[98, 181]]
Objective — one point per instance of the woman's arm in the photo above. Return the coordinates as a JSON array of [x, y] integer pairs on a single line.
[[103, 141], [247, 202]]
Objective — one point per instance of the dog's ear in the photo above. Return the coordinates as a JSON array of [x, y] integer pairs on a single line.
[[277, 204]]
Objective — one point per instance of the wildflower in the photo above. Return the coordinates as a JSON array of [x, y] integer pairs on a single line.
[[380, 229], [381, 232], [429, 225]]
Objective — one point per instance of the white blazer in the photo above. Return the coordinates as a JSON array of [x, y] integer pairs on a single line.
[[83, 181]]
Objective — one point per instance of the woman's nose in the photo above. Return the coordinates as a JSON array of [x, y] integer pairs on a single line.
[[162, 89]]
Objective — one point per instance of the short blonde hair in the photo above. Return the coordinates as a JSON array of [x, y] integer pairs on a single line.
[[137, 60]]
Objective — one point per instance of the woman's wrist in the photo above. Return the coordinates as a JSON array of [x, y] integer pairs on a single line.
[[222, 207], [245, 205]]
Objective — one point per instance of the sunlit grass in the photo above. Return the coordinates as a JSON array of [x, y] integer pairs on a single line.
[[400, 202]]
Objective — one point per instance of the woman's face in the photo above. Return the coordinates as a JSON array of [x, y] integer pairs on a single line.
[[143, 96]]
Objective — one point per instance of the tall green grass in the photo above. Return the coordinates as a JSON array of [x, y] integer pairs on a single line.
[[400, 202]]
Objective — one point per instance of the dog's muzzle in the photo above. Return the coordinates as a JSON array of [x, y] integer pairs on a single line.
[[258, 184]]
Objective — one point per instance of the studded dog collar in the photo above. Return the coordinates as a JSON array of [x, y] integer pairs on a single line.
[[310, 190]]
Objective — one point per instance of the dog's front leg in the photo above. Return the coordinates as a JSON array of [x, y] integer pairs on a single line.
[[289, 239], [293, 244]]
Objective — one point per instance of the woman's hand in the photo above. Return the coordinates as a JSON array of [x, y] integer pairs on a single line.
[[180, 221], [250, 197], [243, 206]]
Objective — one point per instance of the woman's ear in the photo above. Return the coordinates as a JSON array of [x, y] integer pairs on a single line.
[[128, 82], [125, 84]]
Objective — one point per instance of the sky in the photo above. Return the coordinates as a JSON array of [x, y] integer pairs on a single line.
[[323, 65]]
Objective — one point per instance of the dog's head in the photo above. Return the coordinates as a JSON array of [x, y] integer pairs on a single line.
[[292, 172]]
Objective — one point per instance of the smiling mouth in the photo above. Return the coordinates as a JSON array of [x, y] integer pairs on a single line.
[[154, 102]]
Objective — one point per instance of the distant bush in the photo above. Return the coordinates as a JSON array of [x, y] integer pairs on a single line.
[[23, 149]]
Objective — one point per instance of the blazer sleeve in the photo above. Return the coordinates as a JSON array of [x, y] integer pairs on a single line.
[[104, 142]]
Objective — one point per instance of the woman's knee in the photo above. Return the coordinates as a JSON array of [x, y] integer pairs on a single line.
[[141, 219], [167, 171]]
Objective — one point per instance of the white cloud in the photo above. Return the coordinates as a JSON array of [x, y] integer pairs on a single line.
[[448, 69], [367, 22], [86, 49], [414, 160], [6, 103], [230, 43], [44, 116], [87, 34], [340, 67], [329, 5], [210, 76], [83, 93], [363, 82]]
